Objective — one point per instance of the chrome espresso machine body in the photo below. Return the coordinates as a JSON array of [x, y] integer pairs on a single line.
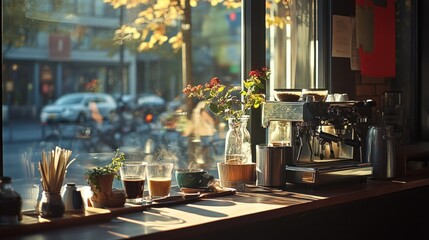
[[327, 139]]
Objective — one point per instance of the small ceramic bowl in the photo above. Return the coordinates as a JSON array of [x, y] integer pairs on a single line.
[[287, 95], [319, 94]]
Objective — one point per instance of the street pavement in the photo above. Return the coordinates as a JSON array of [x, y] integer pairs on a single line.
[[22, 131]]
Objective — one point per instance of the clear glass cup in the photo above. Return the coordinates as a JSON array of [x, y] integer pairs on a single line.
[[159, 176], [281, 133], [133, 177]]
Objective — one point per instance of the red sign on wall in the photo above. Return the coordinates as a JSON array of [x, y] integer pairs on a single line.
[[380, 58], [59, 46]]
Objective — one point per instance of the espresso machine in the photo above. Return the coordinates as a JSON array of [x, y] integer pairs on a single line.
[[327, 139]]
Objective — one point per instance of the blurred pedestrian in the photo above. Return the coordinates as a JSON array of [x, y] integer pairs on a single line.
[[203, 123]]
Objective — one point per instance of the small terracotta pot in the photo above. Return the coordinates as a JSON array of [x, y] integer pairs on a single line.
[[102, 194]]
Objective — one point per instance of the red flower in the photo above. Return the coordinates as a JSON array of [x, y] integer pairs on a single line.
[[254, 73], [197, 88], [214, 81]]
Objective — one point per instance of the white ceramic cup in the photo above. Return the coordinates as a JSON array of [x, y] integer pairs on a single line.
[[344, 97], [330, 98]]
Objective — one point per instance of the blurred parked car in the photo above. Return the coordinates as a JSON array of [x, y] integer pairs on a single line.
[[128, 103], [150, 107], [77, 107]]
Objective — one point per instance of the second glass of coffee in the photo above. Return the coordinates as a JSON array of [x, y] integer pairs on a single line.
[[159, 179], [133, 176]]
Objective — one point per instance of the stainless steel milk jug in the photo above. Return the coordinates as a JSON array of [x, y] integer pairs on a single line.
[[271, 165], [380, 151]]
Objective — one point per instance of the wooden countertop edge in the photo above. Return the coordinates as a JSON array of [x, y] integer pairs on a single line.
[[284, 205], [385, 187]]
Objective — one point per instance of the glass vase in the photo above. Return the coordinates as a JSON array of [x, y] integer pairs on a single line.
[[246, 141], [51, 205], [237, 142]]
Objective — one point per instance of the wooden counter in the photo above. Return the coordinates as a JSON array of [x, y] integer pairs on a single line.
[[340, 211]]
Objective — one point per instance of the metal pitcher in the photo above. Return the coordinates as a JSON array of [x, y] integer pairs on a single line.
[[380, 151], [271, 165]]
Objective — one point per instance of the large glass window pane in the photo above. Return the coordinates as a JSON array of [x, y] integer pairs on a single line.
[[292, 43], [55, 48]]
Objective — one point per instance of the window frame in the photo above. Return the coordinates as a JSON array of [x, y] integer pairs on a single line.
[[253, 47]]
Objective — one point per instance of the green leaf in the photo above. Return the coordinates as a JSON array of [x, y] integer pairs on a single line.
[[220, 89], [248, 84], [112, 168], [214, 108]]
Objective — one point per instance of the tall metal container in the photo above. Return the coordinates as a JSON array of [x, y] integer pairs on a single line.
[[381, 152], [271, 165]]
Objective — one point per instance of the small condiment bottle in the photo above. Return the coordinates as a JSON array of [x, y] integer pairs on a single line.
[[10, 203], [72, 198]]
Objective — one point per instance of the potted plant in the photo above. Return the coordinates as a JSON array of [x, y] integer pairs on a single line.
[[100, 179], [232, 104]]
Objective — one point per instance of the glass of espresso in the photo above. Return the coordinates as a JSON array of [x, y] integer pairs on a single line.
[[133, 176], [159, 179]]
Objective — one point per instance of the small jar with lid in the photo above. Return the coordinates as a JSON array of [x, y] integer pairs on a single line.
[[72, 198], [280, 135], [10, 203]]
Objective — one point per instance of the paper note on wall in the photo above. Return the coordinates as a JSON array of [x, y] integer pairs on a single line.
[[380, 61], [365, 28], [341, 41]]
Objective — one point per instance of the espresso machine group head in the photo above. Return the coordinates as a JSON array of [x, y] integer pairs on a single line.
[[326, 138]]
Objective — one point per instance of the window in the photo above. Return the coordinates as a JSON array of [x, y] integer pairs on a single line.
[[292, 42], [77, 51]]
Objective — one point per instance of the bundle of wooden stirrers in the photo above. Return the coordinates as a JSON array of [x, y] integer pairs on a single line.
[[52, 169]]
